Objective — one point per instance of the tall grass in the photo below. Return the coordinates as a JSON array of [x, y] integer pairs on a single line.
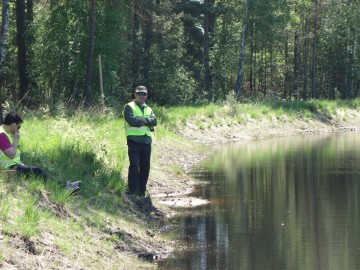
[[92, 150], [28, 221], [230, 110], [89, 148]]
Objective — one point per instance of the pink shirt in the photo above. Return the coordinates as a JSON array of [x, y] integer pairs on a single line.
[[4, 142]]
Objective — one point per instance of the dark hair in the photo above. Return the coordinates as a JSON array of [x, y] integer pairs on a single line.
[[11, 118]]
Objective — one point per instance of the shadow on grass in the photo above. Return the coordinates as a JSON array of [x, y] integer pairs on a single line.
[[102, 185], [102, 188]]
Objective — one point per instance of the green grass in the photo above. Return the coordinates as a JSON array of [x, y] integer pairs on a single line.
[[59, 195], [5, 208], [29, 220], [91, 150], [174, 117], [85, 147]]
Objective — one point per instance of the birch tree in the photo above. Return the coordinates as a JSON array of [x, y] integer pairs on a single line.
[[3, 39], [240, 74], [4, 30]]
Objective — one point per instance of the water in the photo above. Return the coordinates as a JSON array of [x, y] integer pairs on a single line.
[[289, 203]]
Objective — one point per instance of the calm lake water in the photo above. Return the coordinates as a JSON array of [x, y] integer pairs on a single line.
[[288, 203]]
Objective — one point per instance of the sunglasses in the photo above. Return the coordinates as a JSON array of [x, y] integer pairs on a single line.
[[141, 94]]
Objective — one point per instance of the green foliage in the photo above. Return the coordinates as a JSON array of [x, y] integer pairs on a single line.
[[60, 52], [172, 83], [178, 88], [113, 44], [232, 103], [165, 51]]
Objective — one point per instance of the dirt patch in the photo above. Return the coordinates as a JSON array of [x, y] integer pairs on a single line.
[[269, 127], [169, 184], [26, 253], [56, 209], [184, 202]]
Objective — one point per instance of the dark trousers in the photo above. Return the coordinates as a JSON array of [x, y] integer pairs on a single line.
[[139, 157], [28, 170]]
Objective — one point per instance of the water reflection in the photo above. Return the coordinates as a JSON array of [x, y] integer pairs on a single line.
[[290, 203]]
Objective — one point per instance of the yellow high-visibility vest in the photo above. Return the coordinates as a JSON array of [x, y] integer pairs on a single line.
[[6, 162], [138, 131]]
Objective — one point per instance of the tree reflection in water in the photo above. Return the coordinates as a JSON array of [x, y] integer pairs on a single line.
[[287, 203]]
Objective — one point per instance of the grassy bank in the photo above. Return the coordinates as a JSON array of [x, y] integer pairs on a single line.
[[43, 227], [231, 121], [230, 111]]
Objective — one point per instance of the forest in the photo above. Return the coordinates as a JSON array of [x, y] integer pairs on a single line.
[[81, 54]]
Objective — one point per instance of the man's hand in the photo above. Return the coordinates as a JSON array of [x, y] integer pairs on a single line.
[[142, 119], [16, 135]]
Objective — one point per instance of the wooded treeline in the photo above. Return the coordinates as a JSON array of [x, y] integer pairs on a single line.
[[183, 51]]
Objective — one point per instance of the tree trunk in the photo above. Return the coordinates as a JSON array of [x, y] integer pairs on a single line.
[[314, 52], [286, 75], [354, 58], [348, 85], [208, 76], [30, 20], [254, 65], [350, 57], [4, 30], [3, 41], [30, 40], [89, 65], [265, 65], [147, 43], [251, 86], [239, 79], [296, 64], [332, 77], [272, 67], [261, 71], [21, 44], [135, 58], [305, 68]]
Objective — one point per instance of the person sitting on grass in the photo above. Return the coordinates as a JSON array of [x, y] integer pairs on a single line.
[[10, 153]]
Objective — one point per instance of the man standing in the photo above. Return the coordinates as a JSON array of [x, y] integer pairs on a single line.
[[10, 153], [139, 122]]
